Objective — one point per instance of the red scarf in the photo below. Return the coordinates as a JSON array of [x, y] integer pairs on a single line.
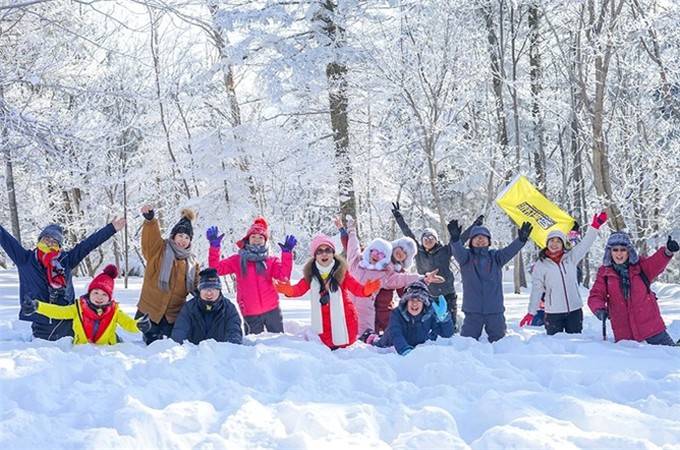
[[55, 272], [555, 256], [95, 322]]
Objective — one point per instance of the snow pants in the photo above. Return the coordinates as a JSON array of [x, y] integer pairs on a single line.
[[571, 322], [493, 324], [271, 320]]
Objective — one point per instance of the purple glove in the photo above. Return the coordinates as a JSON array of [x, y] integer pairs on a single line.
[[214, 237], [289, 244]]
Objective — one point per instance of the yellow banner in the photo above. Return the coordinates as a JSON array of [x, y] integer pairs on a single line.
[[522, 202]]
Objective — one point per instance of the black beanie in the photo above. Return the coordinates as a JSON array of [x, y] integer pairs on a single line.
[[184, 225], [208, 279]]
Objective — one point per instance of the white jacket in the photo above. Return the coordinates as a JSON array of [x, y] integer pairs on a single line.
[[559, 281]]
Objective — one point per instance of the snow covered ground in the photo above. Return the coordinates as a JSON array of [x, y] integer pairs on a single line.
[[525, 391]]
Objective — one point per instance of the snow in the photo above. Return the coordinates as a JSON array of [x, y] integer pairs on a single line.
[[289, 391]]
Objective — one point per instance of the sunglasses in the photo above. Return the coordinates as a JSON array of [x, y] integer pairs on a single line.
[[429, 237], [619, 249], [324, 251]]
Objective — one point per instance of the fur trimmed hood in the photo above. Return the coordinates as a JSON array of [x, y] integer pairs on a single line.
[[382, 246], [338, 274], [409, 247], [622, 239]]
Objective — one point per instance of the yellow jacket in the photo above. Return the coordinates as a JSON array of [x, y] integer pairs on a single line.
[[72, 312]]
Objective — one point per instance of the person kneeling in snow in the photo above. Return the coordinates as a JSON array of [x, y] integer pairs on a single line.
[[415, 321], [326, 275], [95, 315], [209, 315]]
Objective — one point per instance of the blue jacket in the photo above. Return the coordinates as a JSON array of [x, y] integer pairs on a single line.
[[406, 331], [482, 272], [195, 323], [33, 278]]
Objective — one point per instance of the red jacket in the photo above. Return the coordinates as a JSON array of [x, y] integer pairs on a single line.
[[349, 284], [255, 294], [637, 318]]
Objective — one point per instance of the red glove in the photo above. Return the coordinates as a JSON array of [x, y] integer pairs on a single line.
[[284, 288], [599, 220], [527, 320], [371, 287]]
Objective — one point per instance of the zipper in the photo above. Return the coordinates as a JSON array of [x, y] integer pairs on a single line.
[[564, 286]]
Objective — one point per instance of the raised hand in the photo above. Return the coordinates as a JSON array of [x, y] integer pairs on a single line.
[[214, 237], [526, 320], [118, 224], [289, 244], [454, 230], [351, 224], [396, 212], [672, 245], [479, 221], [525, 231], [148, 212], [440, 308], [599, 220], [338, 222]]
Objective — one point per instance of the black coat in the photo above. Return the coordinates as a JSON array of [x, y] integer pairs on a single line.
[[196, 323]]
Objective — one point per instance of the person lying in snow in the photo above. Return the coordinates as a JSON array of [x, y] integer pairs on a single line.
[[255, 272], [482, 272], [209, 315], [95, 315], [45, 272], [415, 321], [622, 292], [327, 278]]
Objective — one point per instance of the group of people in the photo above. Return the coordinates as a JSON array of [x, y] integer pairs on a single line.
[[372, 294]]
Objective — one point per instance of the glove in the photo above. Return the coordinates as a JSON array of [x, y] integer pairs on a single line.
[[524, 231], [349, 221], [396, 212], [371, 287], [284, 288], [602, 314], [149, 215], [441, 308], [599, 220], [144, 324], [454, 230], [213, 236], [465, 235], [289, 244], [672, 245], [406, 351], [576, 226], [526, 320], [29, 305], [479, 221]]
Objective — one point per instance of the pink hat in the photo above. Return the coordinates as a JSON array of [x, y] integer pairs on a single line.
[[318, 241]]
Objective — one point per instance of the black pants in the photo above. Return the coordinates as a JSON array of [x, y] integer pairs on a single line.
[[157, 331], [452, 306], [571, 322], [271, 320]]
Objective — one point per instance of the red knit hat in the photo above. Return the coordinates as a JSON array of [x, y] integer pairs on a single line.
[[105, 280], [259, 226]]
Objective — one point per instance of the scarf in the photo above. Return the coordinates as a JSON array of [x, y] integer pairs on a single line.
[[338, 320], [49, 258], [256, 253], [624, 276], [95, 319], [555, 256], [173, 252]]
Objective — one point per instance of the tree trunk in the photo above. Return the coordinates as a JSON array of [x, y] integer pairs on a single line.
[[536, 74], [9, 179]]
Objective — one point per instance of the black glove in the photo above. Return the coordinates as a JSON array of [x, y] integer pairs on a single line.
[[396, 212], [524, 231], [576, 226], [454, 230], [29, 305], [144, 323], [150, 215], [479, 221], [672, 245], [602, 314]]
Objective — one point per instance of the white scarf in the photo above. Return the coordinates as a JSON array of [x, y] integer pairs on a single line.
[[339, 332]]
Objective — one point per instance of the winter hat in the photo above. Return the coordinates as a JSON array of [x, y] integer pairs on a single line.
[[318, 241], [259, 226], [105, 280], [184, 225], [208, 279], [417, 290], [558, 234], [409, 247], [622, 239], [382, 246], [480, 230], [53, 231], [429, 232]]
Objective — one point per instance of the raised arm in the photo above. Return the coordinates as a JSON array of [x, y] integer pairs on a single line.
[[282, 268], [396, 212], [504, 255], [353, 247], [73, 257], [17, 253], [152, 241], [224, 266], [654, 265]]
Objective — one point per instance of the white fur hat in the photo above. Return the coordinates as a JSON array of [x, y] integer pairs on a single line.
[[409, 247], [382, 246]]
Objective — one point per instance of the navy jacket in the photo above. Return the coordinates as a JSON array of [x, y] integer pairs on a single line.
[[406, 331], [195, 323], [482, 272], [33, 278]]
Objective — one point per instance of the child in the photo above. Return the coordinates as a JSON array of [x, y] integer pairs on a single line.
[[482, 273], [45, 272], [415, 321], [374, 264], [95, 315], [171, 272], [209, 315], [325, 274], [255, 271]]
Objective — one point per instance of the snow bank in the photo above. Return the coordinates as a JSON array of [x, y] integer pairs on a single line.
[[289, 391]]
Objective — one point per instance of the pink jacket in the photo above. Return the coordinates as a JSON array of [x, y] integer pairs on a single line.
[[255, 294], [637, 318]]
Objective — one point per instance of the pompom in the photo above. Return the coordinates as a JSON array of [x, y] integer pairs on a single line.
[[188, 214], [111, 270]]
